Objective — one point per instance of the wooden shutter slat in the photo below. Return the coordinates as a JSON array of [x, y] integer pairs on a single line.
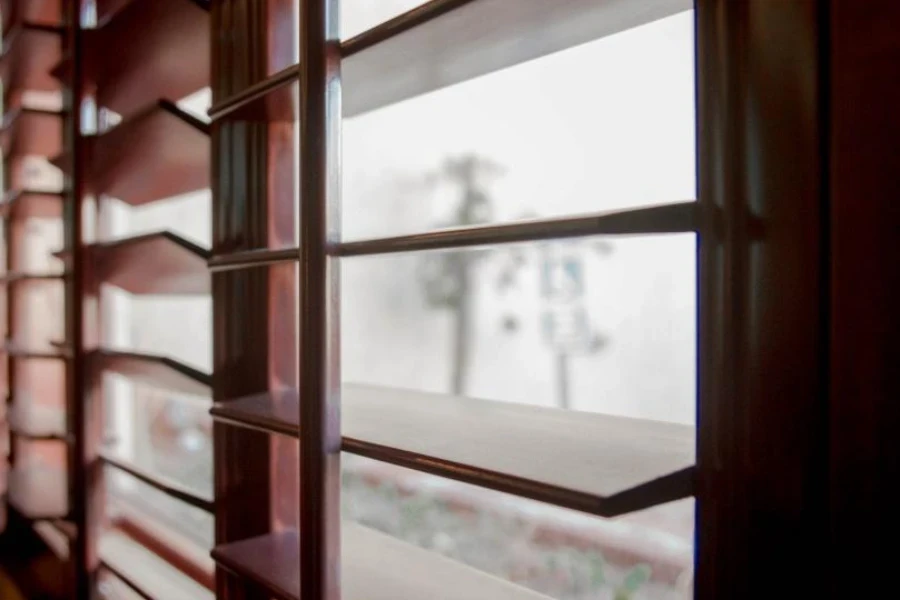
[[274, 99], [30, 131], [476, 39], [15, 277], [158, 371], [145, 571], [16, 350], [446, 42], [159, 482], [148, 51], [374, 567], [43, 12], [30, 51], [595, 463], [26, 204], [161, 152], [666, 218], [153, 263]]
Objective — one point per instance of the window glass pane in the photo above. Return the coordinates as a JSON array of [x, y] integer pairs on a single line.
[[603, 325], [564, 554], [606, 125]]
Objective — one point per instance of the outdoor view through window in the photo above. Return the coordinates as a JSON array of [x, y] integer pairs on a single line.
[[599, 325]]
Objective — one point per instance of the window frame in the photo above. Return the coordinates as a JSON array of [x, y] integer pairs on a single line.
[[777, 430]]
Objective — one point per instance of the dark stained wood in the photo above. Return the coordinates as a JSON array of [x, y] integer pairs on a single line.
[[762, 455], [158, 371], [446, 42], [43, 12], [155, 263], [162, 50], [319, 295], [107, 8], [667, 218], [28, 131], [38, 493], [254, 168], [31, 204], [269, 561], [156, 481], [865, 281], [30, 51], [274, 99], [84, 403], [275, 412], [375, 567], [253, 258], [594, 463], [160, 152]]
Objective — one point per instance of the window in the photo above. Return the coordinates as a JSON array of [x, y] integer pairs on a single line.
[[506, 299]]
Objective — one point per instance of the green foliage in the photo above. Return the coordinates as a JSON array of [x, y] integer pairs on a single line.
[[633, 581]]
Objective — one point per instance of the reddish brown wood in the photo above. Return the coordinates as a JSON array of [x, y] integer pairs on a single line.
[[44, 12], [27, 204], [319, 294], [162, 50], [761, 454], [107, 8], [270, 561], [30, 51], [160, 152], [31, 131], [158, 371], [155, 263], [254, 349], [274, 99]]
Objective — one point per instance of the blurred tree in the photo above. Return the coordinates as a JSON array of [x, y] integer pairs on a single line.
[[446, 276]]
